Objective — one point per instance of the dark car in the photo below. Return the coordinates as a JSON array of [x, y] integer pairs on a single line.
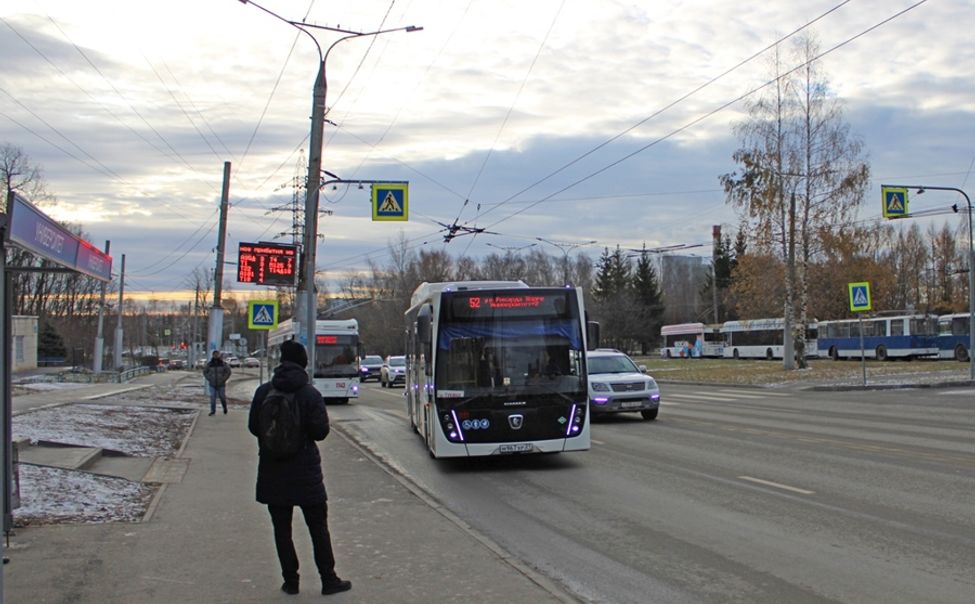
[[370, 368]]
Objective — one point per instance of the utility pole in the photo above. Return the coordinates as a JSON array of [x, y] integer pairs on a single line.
[[99, 336], [215, 326], [117, 349], [716, 234]]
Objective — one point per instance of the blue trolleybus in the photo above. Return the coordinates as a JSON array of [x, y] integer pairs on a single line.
[[895, 337], [953, 336]]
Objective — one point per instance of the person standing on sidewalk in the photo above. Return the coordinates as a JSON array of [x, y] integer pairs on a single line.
[[283, 484], [216, 374]]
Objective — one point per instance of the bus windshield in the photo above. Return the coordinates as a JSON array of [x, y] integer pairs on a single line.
[[335, 356], [527, 344]]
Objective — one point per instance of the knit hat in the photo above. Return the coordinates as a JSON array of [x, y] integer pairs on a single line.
[[294, 352]]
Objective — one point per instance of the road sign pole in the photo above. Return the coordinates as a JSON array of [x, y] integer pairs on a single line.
[[863, 354]]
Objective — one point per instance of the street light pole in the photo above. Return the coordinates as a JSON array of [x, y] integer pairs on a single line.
[[565, 247], [971, 269], [307, 304]]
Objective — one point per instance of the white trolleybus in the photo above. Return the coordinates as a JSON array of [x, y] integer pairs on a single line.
[[497, 367], [336, 356], [762, 339], [691, 340]]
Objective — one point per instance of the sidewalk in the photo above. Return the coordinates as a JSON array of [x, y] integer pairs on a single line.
[[207, 540]]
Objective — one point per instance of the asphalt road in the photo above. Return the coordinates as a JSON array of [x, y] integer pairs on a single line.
[[732, 495]]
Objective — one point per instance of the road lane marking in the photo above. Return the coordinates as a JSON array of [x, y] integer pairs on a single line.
[[777, 485], [596, 442]]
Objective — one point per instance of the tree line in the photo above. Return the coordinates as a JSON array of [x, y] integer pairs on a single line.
[[800, 180]]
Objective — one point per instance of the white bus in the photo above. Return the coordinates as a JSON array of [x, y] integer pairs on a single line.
[[336, 356], [691, 340], [497, 367], [762, 339]]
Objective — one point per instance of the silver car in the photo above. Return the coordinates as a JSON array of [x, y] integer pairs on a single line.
[[393, 371], [617, 385]]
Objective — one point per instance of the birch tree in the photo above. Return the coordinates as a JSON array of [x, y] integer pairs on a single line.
[[801, 174]]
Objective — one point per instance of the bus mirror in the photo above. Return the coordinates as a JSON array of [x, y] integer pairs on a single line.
[[423, 328], [592, 335]]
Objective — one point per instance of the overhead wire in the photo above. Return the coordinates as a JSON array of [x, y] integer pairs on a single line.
[[709, 114], [694, 121]]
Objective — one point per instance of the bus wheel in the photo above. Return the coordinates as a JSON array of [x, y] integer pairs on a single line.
[[735, 354], [768, 354], [834, 353], [881, 353], [961, 354], [668, 353]]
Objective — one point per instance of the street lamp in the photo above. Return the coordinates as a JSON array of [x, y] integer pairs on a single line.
[[313, 185], [565, 247], [971, 269]]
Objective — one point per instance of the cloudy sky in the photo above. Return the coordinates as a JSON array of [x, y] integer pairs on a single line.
[[570, 120]]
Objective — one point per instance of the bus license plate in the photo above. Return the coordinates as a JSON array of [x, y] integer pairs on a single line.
[[515, 448]]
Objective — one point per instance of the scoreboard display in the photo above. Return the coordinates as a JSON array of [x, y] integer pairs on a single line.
[[267, 264]]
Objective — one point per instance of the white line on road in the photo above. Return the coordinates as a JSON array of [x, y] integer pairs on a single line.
[[777, 485], [596, 442]]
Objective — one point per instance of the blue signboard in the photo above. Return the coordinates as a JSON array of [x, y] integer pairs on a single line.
[[36, 232], [262, 314], [390, 201]]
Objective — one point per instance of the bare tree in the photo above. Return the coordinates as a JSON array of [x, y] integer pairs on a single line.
[[802, 174]]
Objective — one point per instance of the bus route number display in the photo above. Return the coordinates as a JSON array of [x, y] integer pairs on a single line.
[[511, 304], [267, 264]]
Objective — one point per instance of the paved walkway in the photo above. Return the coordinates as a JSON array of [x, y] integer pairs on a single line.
[[207, 540]]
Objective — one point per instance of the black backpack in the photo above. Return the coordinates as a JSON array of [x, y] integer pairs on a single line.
[[280, 432]]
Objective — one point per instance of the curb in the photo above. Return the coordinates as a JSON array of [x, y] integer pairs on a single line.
[[548, 585]]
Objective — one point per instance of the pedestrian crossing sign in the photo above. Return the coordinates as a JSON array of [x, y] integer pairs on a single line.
[[895, 201], [859, 296], [390, 201], [262, 314]]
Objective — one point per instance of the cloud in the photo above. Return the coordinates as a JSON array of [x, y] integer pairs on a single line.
[[488, 100]]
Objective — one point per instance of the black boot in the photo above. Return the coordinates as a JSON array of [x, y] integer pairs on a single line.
[[290, 588], [335, 585]]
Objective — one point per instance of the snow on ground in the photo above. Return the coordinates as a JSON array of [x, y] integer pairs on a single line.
[[142, 431], [51, 495], [57, 496]]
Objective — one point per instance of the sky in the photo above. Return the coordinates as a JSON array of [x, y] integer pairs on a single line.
[[567, 120]]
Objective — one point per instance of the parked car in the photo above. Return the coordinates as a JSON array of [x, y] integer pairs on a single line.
[[370, 367], [393, 371], [251, 362], [617, 385], [231, 360], [177, 364]]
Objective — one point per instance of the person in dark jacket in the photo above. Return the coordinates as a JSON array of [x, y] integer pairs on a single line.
[[216, 374], [297, 481]]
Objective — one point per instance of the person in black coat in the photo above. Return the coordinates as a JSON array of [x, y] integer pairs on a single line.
[[297, 481]]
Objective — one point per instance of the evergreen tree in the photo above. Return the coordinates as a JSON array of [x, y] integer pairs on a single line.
[[615, 306], [49, 342], [649, 300]]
